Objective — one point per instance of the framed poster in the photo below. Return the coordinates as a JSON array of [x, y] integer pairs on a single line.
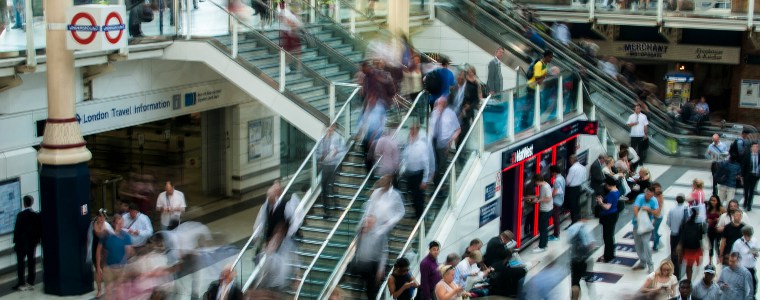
[[260, 138], [749, 93]]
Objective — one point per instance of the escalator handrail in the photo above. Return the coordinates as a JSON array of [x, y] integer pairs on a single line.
[[269, 43], [301, 206], [348, 207], [417, 226]]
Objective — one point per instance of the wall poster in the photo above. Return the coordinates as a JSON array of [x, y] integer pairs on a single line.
[[749, 93], [260, 138]]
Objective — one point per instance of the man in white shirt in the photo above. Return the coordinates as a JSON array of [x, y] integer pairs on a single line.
[[639, 131], [561, 32], [171, 204], [748, 248], [416, 158], [444, 129], [576, 176], [137, 225], [467, 271], [545, 208]]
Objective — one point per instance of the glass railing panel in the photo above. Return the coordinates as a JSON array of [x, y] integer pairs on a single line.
[[570, 84], [524, 108], [158, 19], [496, 118], [548, 99]]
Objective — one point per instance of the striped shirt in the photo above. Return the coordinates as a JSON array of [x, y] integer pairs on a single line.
[[739, 282]]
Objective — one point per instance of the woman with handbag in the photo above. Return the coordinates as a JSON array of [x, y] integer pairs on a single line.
[[661, 284]]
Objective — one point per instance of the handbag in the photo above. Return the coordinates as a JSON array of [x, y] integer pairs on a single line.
[[644, 222]]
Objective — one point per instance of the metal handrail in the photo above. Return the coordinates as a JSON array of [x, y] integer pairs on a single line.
[[351, 203], [266, 41], [302, 204], [419, 223]]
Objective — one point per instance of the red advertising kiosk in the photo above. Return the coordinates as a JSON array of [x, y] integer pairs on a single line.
[[534, 156]]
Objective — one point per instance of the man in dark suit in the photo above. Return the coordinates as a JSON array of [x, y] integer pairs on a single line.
[[26, 236], [224, 288], [750, 174], [495, 81], [596, 175]]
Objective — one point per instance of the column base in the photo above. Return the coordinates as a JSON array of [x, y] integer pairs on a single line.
[[65, 210]]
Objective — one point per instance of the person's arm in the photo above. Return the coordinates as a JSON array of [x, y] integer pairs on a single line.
[[645, 288], [722, 247], [658, 210], [441, 293], [631, 122], [425, 158], [646, 127], [160, 202], [491, 83], [182, 203], [454, 136]]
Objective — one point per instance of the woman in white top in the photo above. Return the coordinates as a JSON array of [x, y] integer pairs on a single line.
[[622, 165], [446, 289], [661, 284]]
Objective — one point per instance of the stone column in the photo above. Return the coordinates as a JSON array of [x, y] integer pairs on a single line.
[[398, 16], [64, 175]]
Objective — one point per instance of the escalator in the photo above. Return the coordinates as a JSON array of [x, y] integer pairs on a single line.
[[658, 109], [485, 24]]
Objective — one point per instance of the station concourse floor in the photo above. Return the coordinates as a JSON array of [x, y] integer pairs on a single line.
[[617, 281]]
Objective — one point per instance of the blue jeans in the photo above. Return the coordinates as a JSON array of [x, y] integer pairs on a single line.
[[17, 15], [656, 234]]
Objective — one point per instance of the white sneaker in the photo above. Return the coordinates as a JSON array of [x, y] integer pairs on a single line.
[[27, 287], [539, 250]]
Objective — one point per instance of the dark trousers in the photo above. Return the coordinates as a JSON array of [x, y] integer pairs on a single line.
[[31, 265], [750, 184], [328, 175], [714, 239], [608, 234], [674, 240], [543, 228], [753, 271], [368, 273], [555, 218], [573, 200], [413, 181], [441, 163], [637, 143]]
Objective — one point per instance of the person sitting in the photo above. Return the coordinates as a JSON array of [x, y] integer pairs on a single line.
[[467, 271]]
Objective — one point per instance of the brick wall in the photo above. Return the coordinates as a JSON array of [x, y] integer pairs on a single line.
[[744, 71]]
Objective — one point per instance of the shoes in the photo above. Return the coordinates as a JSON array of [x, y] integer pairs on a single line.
[[25, 287], [28, 287], [553, 238], [638, 266], [655, 249], [539, 250], [650, 269], [16, 27]]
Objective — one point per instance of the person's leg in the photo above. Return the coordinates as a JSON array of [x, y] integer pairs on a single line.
[[608, 236], [730, 193], [413, 181], [555, 218], [646, 255], [753, 272], [674, 239], [31, 265], [20, 256], [712, 237], [656, 234], [543, 228], [17, 14], [328, 174], [749, 192]]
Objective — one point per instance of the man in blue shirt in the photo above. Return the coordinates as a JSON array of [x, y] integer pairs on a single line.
[[648, 203], [117, 247], [447, 81]]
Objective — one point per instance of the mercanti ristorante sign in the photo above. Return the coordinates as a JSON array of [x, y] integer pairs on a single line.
[[671, 52]]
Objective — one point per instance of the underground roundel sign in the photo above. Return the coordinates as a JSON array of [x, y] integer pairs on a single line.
[[96, 27]]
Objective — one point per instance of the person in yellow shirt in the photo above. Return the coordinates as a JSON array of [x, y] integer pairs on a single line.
[[539, 70]]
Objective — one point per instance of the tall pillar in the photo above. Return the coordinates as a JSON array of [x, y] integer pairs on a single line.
[[398, 16], [64, 176]]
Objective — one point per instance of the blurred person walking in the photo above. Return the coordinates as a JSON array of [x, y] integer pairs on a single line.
[[608, 218], [225, 288], [115, 248], [417, 158], [677, 217], [439, 82], [444, 129], [717, 152], [470, 102], [647, 204], [558, 199], [278, 220], [728, 173], [692, 236], [27, 233], [331, 150], [387, 148], [750, 174], [138, 226], [382, 211], [171, 204], [735, 280], [582, 246], [714, 211], [658, 216], [290, 37], [747, 247], [706, 289], [98, 230]]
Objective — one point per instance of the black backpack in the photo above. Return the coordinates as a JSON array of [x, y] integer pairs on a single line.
[[432, 82], [691, 235]]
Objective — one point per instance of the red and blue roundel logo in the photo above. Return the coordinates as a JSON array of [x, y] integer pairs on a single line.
[[90, 26]]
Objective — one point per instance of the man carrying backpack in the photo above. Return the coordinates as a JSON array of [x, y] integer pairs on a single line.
[[537, 71], [438, 82]]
